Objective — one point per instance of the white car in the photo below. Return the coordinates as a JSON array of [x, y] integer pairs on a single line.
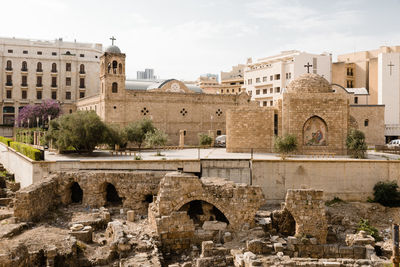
[[394, 143], [220, 141]]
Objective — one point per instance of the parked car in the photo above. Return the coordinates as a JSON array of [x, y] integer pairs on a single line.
[[394, 143], [220, 141]]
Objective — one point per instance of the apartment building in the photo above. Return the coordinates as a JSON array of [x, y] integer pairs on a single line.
[[232, 81], [267, 78], [34, 70]]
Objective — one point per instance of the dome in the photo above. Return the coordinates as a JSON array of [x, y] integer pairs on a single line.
[[113, 49], [309, 83]]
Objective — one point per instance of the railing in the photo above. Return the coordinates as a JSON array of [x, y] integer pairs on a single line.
[[9, 69], [24, 84], [39, 85], [24, 69], [9, 84], [39, 70]]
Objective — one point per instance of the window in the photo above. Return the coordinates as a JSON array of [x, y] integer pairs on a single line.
[[271, 103], [257, 91], [24, 79], [356, 100], [264, 103], [219, 132], [271, 78], [38, 94], [265, 79], [249, 81], [82, 55], [81, 94], [68, 81], [258, 80], [265, 91], [68, 95], [54, 67], [366, 122], [8, 80], [39, 52], [114, 87], [227, 90], [39, 81], [24, 66], [9, 94], [25, 52], [54, 95], [39, 67], [9, 65], [53, 81], [81, 82], [24, 94], [222, 91], [349, 71], [68, 67], [349, 84], [82, 69], [277, 76], [271, 90], [277, 89], [10, 51], [54, 53]]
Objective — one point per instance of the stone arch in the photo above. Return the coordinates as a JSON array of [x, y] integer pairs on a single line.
[[111, 195], [75, 192], [200, 211], [114, 87], [315, 132], [114, 66]]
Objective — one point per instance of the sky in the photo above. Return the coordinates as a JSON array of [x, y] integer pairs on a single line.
[[183, 39]]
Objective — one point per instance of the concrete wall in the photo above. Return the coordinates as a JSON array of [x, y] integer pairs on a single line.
[[235, 170], [351, 180]]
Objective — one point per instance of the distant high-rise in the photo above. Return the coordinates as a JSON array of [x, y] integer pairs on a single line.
[[147, 74]]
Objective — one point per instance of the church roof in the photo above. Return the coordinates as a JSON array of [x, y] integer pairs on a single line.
[[113, 49], [147, 85], [309, 83]]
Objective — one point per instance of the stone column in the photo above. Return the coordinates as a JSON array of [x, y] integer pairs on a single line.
[[181, 138]]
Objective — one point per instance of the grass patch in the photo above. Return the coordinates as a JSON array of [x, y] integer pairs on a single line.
[[333, 201], [364, 225]]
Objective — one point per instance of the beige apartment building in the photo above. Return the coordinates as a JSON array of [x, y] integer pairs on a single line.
[[377, 71], [35, 70], [232, 81], [208, 83]]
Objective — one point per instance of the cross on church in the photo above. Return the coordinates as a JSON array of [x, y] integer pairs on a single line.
[[391, 65], [112, 40], [308, 67]]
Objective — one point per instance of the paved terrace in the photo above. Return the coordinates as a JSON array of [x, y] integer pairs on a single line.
[[209, 153]]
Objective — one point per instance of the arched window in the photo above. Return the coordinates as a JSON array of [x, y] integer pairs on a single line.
[[315, 132], [54, 67], [24, 66], [39, 67], [114, 87], [82, 69], [114, 66], [120, 68], [366, 122], [109, 68], [9, 65]]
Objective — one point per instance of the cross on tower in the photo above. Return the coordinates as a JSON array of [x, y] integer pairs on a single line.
[[112, 40], [391, 65], [308, 67]]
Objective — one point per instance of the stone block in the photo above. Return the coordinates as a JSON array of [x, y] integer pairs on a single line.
[[278, 247], [214, 225], [346, 252], [359, 252], [130, 216], [84, 235]]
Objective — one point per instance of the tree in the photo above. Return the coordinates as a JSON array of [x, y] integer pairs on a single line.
[[355, 144], [156, 139], [285, 145], [82, 130], [205, 139], [136, 131], [47, 108], [116, 135]]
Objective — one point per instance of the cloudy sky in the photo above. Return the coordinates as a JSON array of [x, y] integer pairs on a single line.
[[185, 38]]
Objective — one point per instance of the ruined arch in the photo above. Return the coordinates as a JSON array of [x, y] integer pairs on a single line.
[[200, 211], [315, 132], [76, 193], [111, 195]]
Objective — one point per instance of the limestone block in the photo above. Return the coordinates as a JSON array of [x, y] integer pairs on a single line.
[[84, 235], [278, 247], [227, 237], [130, 216], [360, 239], [214, 225]]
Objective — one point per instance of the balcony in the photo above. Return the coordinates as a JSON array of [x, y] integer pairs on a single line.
[[39, 71], [9, 70], [24, 85], [39, 85], [54, 86], [9, 84], [24, 70]]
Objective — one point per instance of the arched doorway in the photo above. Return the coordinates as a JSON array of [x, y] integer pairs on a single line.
[[112, 196], [76, 193], [315, 132], [200, 211]]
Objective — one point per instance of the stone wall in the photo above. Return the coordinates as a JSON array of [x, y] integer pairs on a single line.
[[375, 130], [250, 128], [34, 201], [308, 210]]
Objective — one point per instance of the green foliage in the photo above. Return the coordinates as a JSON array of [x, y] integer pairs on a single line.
[[386, 194], [363, 225], [5, 140], [138, 157], [82, 130], [25, 135], [285, 145], [116, 136], [333, 201], [136, 131], [26, 150], [205, 139], [156, 139], [355, 144]]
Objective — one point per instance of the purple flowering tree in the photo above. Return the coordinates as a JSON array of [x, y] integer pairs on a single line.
[[42, 111]]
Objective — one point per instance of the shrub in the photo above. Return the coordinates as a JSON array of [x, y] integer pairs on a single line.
[[136, 131], [26, 150], [156, 139], [116, 136], [386, 194], [82, 131], [5, 140], [42, 111], [205, 139], [363, 225], [285, 145], [355, 143], [333, 201]]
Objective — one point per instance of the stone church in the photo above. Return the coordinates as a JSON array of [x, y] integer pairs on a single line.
[[318, 115], [172, 105]]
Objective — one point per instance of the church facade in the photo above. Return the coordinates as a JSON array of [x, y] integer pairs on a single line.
[[172, 105]]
